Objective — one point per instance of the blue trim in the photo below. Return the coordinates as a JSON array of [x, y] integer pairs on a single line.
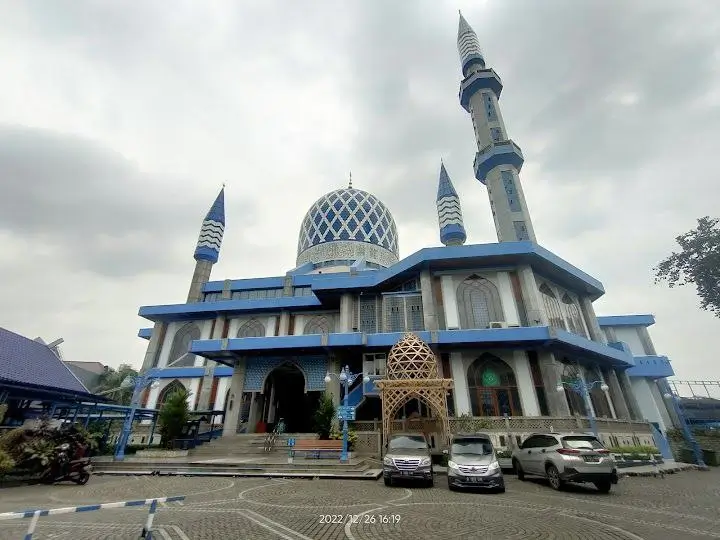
[[655, 367], [452, 232], [190, 372], [470, 61], [502, 153], [302, 269], [145, 333], [210, 310], [535, 336], [204, 253], [246, 284], [626, 320], [481, 80]]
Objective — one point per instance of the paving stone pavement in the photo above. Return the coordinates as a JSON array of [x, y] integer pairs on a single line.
[[682, 505]]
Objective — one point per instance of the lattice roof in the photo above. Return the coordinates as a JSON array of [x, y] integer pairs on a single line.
[[411, 358]]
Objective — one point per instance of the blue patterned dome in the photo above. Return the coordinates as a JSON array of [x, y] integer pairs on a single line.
[[346, 225]]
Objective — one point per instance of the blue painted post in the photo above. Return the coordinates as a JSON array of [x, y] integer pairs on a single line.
[[344, 457], [77, 410], [140, 382]]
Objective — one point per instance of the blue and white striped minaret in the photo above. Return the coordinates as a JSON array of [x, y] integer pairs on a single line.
[[207, 251], [452, 229], [498, 160]]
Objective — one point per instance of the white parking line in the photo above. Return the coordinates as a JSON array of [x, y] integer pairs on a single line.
[[274, 526], [179, 532]]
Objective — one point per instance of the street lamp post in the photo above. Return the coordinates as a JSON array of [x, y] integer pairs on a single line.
[[346, 379], [583, 388], [139, 382], [687, 432]]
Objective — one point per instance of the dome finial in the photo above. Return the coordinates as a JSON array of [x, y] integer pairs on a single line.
[[350, 184]]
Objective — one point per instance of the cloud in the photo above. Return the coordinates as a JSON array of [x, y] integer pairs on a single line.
[[118, 126]]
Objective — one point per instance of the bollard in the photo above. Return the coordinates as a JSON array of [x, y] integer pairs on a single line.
[[147, 530]]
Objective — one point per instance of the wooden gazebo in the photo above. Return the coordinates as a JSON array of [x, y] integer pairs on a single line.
[[412, 372]]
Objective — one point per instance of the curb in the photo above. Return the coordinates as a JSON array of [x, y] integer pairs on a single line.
[[374, 475], [660, 472]]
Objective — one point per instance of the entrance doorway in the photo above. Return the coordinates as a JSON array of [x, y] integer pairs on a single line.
[[286, 398]]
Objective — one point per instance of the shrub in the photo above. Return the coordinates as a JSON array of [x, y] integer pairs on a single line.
[[634, 450], [173, 417], [352, 438], [324, 417], [7, 463]]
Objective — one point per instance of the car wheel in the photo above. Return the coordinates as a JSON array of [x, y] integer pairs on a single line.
[[430, 483], [450, 485], [604, 486], [388, 481], [500, 489], [553, 477], [518, 470]]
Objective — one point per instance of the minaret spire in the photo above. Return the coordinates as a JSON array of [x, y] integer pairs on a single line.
[[498, 160], [452, 229], [207, 250]]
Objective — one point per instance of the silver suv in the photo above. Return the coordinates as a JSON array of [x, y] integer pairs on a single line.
[[472, 463], [408, 457], [566, 457]]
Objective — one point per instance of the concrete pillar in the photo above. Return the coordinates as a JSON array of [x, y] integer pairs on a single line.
[[234, 406], [346, 314], [253, 413], [450, 307], [627, 390], [270, 326], [646, 402], [588, 313], [200, 277], [550, 369], [507, 298], [284, 323], [531, 297], [428, 302], [272, 409], [616, 395], [155, 346], [209, 372], [460, 391], [526, 387]]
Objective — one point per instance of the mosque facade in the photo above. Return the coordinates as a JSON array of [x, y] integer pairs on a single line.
[[510, 322]]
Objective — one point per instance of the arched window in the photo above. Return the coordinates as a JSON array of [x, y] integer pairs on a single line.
[[179, 356], [493, 388], [574, 317], [252, 328], [318, 324], [552, 307], [478, 303], [170, 389], [597, 396]]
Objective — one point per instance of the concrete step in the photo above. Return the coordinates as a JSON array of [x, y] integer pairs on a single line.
[[355, 464], [370, 474]]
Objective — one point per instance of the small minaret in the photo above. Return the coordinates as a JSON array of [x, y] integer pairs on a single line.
[[452, 230], [498, 160], [207, 250]]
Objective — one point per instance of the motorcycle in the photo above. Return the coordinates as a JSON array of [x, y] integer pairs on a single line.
[[63, 468]]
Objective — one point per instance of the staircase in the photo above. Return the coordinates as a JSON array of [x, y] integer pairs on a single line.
[[242, 455], [245, 445]]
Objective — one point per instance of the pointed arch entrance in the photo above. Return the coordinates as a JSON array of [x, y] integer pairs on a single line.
[[493, 388], [285, 396]]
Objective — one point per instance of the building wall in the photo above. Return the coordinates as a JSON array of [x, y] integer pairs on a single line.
[[642, 389], [630, 336]]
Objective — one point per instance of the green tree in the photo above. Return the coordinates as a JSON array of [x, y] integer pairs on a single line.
[[173, 416], [697, 263], [110, 384], [324, 417]]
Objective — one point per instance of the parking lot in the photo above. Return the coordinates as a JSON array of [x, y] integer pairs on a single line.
[[683, 505]]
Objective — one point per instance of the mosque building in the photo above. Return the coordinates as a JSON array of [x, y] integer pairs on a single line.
[[508, 321]]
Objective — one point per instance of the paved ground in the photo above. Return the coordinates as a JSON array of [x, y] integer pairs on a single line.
[[683, 505]]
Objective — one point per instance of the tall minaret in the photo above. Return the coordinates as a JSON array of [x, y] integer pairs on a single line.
[[499, 160], [452, 230], [207, 251]]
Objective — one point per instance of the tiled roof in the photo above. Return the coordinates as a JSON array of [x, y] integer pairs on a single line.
[[25, 361]]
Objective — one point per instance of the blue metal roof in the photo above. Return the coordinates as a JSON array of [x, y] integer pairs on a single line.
[[24, 361], [626, 320]]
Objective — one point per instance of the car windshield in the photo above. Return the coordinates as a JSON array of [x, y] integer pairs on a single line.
[[414, 443], [582, 443], [477, 447]]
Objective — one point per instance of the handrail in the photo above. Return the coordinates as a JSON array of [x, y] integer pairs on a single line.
[[271, 437]]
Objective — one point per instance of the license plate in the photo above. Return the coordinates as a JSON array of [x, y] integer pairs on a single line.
[[405, 473], [474, 479], [592, 459]]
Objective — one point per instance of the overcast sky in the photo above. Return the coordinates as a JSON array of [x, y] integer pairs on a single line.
[[119, 122]]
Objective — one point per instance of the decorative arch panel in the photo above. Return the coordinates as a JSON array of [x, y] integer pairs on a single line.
[[313, 367], [174, 386], [478, 303], [184, 336], [251, 328]]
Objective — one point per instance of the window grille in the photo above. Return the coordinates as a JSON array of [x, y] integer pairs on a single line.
[[552, 307]]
